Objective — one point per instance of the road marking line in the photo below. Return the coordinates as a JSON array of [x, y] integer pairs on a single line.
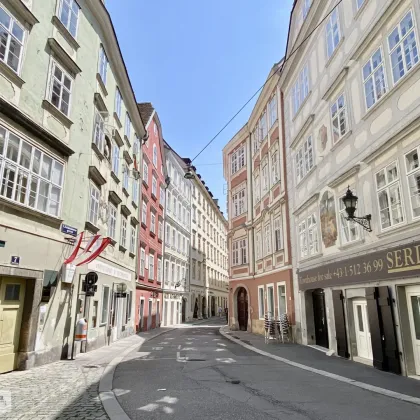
[[376, 389]]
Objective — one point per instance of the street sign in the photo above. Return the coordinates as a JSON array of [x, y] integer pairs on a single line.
[[68, 230], [15, 260], [91, 278]]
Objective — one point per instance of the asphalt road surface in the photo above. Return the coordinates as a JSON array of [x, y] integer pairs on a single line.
[[195, 373]]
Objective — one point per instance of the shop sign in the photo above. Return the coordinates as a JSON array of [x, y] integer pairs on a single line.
[[110, 270], [399, 262]]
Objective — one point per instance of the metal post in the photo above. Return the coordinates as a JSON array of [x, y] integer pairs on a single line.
[[110, 314], [75, 316]]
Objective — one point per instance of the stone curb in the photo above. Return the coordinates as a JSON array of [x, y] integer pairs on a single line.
[[372, 388], [109, 401]]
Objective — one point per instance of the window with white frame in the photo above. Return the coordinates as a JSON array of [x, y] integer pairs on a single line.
[[60, 89], [270, 300], [374, 79], [275, 167], [239, 203], [178, 242], [135, 185], [112, 221], [389, 196], [154, 186], [413, 174], [152, 222], [184, 249], [308, 237], [103, 64], [255, 140], [278, 235], [167, 234], [265, 178], [333, 34], [258, 245], [99, 131], [126, 172], [304, 159], [68, 13], [12, 39], [123, 237], [162, 196], [93, 204], [243, 247], [115, 158], [175, 206], [339, 118], [159, 272], [261, 309], [155, 155], [118, 103], [235, 253], [257, 191], [28, 176], [273, 110], [359, 3], [238, 159], [133, 239], [144, 213], [300, 89], [402, 46], [145, 173], [263, 126], [151, 267], [267, 239], [127, 130], [160, 229], [105, 304], [281, 296], [348, 228]]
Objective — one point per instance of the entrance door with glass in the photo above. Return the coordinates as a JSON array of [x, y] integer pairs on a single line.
[[413, 299], [361, 323], [12, 293]]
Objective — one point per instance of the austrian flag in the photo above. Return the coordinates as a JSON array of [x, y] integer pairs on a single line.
[[95, 245]]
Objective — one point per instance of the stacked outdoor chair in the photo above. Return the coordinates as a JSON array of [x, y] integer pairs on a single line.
[[270, 327], [283, 327]]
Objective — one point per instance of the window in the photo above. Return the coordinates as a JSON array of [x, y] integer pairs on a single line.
[[144, 213], [333, 32], [389, 196], [278, 237], [239, 252], [160, 229], [173, 237], [281, 296], [300, 90], [60, 89], [308, 237], [151, 267], [255, 140], [123, 240], [359, 3], [103, 64], [168, 235], [99, 131], [306, 5], [237, 160], [94, 314], [135, 185], [263, 127], [374, 78], [152, 222], [339, 118], [273, 110], [93, 204], [129, 303], [12, 37], [267, 239], [115, 158], [112, 221], [133, 239], [239, 203], [257, 192], [28, 176], [118, 101], [126, 172], [69, 15], [258, 245], [264, 179], [403, 47], [105, 304], [159, 273], [145, 173], [154, 186], [178, 242], [275, 170], [155, 156], [413, 174], [127, 129], [142, 261], [304, 159], [184, 249], [270, 300], [162, 196], [175, 206]]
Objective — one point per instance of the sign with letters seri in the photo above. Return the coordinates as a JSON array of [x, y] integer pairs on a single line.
[[399, 262]]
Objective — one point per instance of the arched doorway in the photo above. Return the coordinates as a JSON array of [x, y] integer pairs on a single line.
[[242, 309], [195, 314], [184, 309], [213, 306], [203, 307], [320, 318]]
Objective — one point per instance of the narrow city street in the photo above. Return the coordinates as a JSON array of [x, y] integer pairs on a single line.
[[193, 372]]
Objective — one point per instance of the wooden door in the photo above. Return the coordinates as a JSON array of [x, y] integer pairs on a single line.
[[340, 324], [363, 338], [243, 309], [12, 294], [413, 299], [320, 318]]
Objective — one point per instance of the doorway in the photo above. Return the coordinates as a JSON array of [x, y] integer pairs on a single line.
[[149, 315], [242, 309], [361, 324], [213, 306], [203, 307], [184, 309], [320, 318], [157, 314], [413, 300], [195, 315], [12, 294], [141, 314]]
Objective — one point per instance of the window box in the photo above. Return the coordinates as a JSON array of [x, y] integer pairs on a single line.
[[64, 31], [143, 225], [134, 204], [122, 248], [115, 177], [91, 227], [97, 152], [125, 192], [59, 52], [66, 121], [117, 119], [127, 157], [96, 176], [11, 75], [101, 84], [22, 11], [127, 140], [114, 197], [152, 234], [113, 241], [131, 254], [100, 104]]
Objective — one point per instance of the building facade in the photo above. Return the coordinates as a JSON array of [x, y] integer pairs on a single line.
[[352, 117], [149, 299], [177, 240], [258, 240], [209, 276], [68, 139]]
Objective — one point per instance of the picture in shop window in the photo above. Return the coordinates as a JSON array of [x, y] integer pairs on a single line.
[[328, 219]]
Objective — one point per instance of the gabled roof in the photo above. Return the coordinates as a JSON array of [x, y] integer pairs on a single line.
[[146, 110]]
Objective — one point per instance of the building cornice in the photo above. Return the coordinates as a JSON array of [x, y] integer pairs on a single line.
[[302, 131], [345, 175], [308, 202]]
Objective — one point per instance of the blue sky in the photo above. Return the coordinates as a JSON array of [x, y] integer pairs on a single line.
[[198, 62]]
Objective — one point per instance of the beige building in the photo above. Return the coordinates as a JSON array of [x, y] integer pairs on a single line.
[[69, 137], [351, 116]]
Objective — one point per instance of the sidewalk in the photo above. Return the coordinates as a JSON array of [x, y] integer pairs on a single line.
[[67, 389], [333, 365]]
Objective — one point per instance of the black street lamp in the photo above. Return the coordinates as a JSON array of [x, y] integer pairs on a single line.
[[350, 203]]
